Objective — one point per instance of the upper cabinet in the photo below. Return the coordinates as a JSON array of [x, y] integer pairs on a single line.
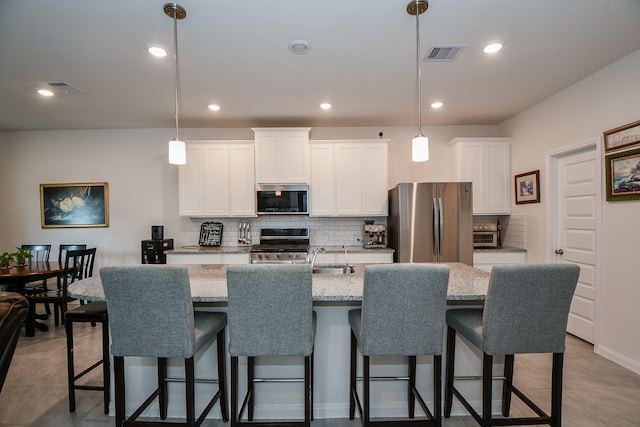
[[349, 178], [282, 155], [486, 162], [218, 179]]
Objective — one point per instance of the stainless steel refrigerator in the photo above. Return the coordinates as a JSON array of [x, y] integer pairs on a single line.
[[431, 222]]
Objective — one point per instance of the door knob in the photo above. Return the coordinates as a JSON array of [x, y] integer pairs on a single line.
[[559, 251]]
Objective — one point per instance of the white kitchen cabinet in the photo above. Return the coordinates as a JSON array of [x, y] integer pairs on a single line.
[[486, 162], [282, 155], [208, 258], [485, 260], [369, 256], [349, 178], [218, 179]]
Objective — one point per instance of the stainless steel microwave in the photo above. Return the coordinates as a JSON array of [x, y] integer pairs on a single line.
[[282, 199]]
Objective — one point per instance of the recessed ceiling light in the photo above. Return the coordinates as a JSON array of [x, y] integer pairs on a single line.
[[437, 104], [214, 107], [299, 47], [157, 51], [325, 106], [45, 92], [492, 48]]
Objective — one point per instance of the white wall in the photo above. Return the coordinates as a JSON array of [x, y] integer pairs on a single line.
[[580, 113]]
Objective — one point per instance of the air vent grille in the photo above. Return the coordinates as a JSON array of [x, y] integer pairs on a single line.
[[66, 88], [443, 53]]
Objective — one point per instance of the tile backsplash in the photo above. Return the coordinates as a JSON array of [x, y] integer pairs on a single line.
[[322, 231]]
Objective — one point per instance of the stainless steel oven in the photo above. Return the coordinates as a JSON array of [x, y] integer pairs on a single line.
[[281, 246], [485, 236]]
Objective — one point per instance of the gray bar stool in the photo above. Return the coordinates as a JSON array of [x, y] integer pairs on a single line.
[[151, 315], [403, 312], [270, 314], [525, 311]]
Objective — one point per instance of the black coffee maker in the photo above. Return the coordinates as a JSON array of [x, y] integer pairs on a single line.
[[153, 251]]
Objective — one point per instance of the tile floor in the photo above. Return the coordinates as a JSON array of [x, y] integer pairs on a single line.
[[597, 392]]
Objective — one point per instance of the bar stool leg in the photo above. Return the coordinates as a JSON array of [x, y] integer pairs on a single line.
[[366, 389], [190, 391], [106, 373], [251, 361], [162, 385], [70, 367], [437, 389], [556, 389], [448, 384], [507, 385], [118, 370], [352, 378], [222, 380], [234, 391], [411, 398], [487, 383]]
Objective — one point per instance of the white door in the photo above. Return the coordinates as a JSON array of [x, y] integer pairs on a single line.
[[577, 237]]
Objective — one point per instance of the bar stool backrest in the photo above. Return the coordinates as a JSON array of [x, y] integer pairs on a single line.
[[270, 310], [403, 309], [527, 308], [150, 310]]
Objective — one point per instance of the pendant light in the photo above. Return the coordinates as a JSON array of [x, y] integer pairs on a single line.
[[177, 148], [419, 144]]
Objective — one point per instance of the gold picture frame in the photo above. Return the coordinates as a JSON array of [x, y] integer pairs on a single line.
[[527, 187], [623, 175], [74, 205], [622, 137]]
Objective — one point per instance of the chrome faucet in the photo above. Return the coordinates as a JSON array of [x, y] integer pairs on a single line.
[[312, 255]]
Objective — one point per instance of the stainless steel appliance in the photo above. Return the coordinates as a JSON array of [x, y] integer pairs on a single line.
[[282, 199], [431, 222], [374, 236], [486, 236], [281, 245]]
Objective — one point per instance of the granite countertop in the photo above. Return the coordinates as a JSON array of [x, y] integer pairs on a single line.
[[500, 249], [195, 249], [209, 284]]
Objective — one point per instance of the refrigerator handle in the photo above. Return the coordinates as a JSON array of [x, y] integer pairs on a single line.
[[440, 225], [436, 229]]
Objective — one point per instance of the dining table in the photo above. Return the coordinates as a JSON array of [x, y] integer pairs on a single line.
[[17, 276]]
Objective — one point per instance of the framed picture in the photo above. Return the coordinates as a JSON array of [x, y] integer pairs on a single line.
[[623, 175], [527, 187], [74, 205], [626, 136]]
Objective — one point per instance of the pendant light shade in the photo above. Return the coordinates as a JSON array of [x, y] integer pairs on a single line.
[[420, 149], [177, 152], [419, 144], [177, 148]]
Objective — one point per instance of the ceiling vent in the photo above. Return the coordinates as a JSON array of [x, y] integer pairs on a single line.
[[443, 53], [66, 88]]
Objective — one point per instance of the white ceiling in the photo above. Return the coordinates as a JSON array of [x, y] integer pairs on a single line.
[[234, 53]]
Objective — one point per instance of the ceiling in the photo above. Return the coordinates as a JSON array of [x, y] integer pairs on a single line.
[[234, 53]]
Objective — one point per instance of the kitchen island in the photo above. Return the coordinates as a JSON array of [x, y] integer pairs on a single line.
[[334, 296]]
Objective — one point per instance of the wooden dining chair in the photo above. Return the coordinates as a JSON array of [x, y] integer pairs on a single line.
[[39, 253], [79, 265]]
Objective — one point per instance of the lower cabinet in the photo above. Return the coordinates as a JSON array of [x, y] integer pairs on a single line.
[[375, 257], [485, 260], [204, 258]]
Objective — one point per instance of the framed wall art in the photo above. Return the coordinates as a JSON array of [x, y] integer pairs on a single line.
[[527, 186], [74, 205], [623, 175], [626, 136]]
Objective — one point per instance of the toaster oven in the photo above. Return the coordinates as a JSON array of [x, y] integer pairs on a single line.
[[485, 236]]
